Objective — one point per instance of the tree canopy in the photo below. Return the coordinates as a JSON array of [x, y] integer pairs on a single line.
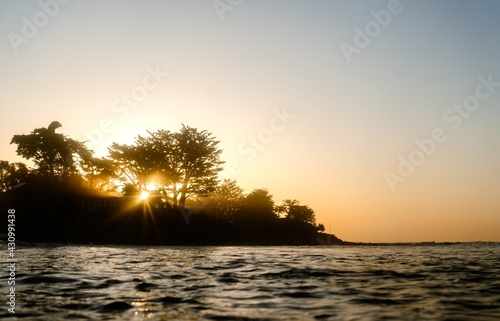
[[99, 174], [53, 153], [12, 174], [258, 206], [227, 199], [182, 163], [294, 211]]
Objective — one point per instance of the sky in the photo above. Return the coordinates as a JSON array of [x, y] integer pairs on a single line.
[[382, 116]]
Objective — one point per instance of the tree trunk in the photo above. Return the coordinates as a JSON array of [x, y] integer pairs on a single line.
[[182, 200], [174, 197]]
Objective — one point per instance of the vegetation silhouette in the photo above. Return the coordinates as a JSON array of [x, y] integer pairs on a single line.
[[53, 153], [162, 189], [182, 164], [12, 174]]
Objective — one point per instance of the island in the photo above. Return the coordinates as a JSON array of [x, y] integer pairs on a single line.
[[162, 190]]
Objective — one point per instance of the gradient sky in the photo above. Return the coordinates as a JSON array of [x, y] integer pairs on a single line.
[[352, 121]]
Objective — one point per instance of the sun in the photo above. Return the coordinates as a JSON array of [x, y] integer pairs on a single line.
[[144, 195]]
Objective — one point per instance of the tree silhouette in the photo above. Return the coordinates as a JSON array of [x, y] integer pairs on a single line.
[[12, 174], [5, 176], [302, 213], [130, 190], [294, 211], [284, 208], [129, 163], [184, 163], [162, 154], [258, 207], [99, 173], [199, 158], [227, 199], [52, 152]]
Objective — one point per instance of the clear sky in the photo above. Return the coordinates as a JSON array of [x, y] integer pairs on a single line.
[[335, 92]]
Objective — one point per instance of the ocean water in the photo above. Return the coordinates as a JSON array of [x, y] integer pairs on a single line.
[[435, 282]]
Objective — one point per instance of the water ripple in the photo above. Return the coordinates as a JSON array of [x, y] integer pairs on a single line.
[[441, 282]]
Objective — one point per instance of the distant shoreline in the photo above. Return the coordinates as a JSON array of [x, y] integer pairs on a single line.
[[417, 243], [21, 243]]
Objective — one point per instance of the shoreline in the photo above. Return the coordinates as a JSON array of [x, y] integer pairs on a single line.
[[22, 243]]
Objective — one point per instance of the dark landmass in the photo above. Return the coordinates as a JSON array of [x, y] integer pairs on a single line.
[[170, 194], [70, 213]]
